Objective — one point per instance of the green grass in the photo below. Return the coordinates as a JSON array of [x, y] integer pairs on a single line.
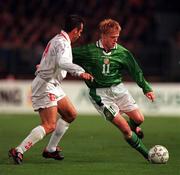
[[91, 146]]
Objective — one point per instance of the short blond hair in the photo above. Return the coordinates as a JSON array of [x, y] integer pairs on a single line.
[[108, 26]]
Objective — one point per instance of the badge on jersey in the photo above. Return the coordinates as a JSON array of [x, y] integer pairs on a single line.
[[106, 61], [52, 97]]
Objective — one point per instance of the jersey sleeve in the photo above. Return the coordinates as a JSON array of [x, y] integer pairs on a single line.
[[64, 60], [136, 72]]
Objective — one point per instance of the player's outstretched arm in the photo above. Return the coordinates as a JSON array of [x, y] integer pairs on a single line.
[[150, 95]]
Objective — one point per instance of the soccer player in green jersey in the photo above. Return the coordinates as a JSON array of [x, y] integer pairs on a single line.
[[106, 60]]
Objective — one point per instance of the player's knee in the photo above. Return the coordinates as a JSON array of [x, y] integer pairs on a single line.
[[126, 131], [49, 127], [127, 134], [71, 116], [140, 120], [74, 114]]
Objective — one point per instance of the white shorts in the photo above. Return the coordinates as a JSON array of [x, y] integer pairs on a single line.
[[45, 94], [116, 99]]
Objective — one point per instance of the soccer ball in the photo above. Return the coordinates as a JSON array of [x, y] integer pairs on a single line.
[[158, 154]]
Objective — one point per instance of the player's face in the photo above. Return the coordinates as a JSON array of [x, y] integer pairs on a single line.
[[77, 33], [109, 40]]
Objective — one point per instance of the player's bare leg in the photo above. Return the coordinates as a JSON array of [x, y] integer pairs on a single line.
[[67, 110], [48, 119], [135, 120], [68, 114], [129, 135]]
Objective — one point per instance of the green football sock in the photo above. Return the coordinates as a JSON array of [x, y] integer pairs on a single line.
[[132, 124], [136, 143]]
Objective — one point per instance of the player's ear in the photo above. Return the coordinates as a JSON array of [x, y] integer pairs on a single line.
[[75, 30]]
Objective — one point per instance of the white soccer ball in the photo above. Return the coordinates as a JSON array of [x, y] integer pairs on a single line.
[[158, 154]]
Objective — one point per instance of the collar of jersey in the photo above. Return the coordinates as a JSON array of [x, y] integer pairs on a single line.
[[99, 44], [65, 35]]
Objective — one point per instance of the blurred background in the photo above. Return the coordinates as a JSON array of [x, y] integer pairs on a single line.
[[150, 29]]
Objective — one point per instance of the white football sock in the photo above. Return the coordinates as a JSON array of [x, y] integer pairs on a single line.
[[35, 135], [61, 128]]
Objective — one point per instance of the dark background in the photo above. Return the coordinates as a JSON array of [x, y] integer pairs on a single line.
[[150, 30]]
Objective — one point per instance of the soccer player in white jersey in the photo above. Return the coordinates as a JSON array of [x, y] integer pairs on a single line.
[[48, 97]]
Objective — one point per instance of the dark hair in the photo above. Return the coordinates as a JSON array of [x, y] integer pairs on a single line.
[[73, 21]]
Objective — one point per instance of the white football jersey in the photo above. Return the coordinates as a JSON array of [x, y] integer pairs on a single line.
[[57, 60]]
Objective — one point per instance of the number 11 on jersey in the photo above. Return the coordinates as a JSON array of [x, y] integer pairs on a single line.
[[105, 68]]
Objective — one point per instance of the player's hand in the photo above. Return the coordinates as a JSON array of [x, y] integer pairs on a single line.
[[86, 76], [37, 66], [150, 96]]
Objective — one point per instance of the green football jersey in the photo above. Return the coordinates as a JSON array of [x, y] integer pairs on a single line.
[[107, 68]]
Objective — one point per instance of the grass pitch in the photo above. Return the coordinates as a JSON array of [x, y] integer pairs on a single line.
[[91, 146]]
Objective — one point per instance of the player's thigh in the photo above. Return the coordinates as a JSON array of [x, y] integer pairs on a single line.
[[66, 108], [136, 115], [48, 115]]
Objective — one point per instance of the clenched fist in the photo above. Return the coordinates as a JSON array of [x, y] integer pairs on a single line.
[[86, 76]]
